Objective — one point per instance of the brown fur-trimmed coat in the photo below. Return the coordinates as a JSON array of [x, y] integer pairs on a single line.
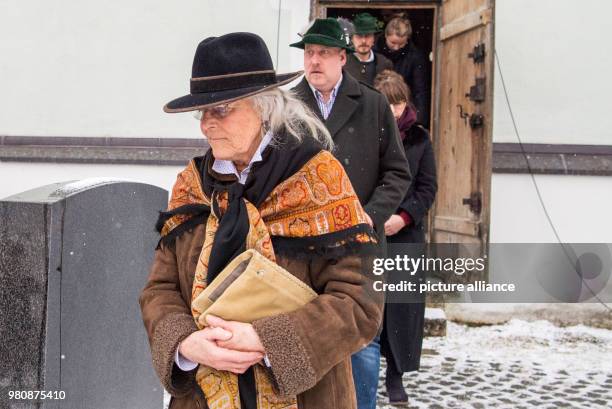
[[309, 349]]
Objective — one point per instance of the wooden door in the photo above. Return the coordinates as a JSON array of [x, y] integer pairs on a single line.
[[462, 125]]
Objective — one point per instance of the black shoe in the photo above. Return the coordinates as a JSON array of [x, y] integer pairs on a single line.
[[395, 389], [397, 396]]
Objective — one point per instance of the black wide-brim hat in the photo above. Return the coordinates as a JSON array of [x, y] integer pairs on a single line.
[[228, 68]]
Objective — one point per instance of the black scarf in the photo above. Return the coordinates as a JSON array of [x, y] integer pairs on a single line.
[[278, 163]]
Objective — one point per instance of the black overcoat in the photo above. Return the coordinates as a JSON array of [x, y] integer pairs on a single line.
[[355, 67], [402, 335], [368, 145], [412, 64]]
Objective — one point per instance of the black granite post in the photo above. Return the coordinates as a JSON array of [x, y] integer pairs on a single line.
[[73, 258]]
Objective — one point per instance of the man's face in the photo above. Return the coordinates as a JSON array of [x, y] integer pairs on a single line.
[[363, 43], [395, 42], [323, 66]]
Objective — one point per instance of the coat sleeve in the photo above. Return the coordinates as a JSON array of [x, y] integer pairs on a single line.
[[393, 172], [419, 83], [168, 321], [422, 192], [304, 345]]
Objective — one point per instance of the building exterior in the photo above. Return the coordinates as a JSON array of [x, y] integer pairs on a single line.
[[104, 70]]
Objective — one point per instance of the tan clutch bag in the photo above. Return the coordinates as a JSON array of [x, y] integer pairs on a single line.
[[252, 287]]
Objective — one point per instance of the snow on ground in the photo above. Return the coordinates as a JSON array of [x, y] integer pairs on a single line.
[[515, 365], [576, 348]]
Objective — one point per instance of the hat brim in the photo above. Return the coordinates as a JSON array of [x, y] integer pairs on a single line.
[[322, 40], [367, 31], [194, 102]]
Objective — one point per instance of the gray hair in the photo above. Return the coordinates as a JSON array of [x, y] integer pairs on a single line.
[[282, 110]]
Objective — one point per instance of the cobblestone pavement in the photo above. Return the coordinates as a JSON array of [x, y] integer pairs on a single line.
[[516, 365]]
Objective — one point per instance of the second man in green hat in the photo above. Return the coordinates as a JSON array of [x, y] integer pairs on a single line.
[[364, 64]]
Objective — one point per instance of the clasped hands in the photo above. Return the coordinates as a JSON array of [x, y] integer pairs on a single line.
[[224, 345]]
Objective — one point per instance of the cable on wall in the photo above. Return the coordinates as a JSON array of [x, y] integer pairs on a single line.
[[535, 184], [278, 33]]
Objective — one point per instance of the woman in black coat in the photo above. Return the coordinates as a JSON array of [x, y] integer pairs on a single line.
[[402, 335], [411, 63]]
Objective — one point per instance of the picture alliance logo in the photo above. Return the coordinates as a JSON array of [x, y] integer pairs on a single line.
[[540, 272]]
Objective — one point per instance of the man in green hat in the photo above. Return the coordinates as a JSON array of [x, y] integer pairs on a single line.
[[368, 145], [325, 45], [364, 64]]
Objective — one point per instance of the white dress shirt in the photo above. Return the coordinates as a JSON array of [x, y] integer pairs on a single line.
[[370, 57], [326, 107], [227, 167]]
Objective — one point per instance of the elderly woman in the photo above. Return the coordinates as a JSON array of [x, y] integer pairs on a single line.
[[268, 183], [402, 336]]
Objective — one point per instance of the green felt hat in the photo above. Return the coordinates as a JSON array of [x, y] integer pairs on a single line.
[[365, 23], [327, 32]]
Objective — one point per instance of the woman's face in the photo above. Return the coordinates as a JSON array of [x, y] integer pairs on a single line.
[[398, 109], [233, 130], [395, 42]]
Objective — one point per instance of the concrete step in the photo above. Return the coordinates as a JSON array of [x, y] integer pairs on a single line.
[[435, 322]]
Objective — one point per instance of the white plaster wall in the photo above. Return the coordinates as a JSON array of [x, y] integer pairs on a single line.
[[17, 177], [556, 58], [91, 68], [106, 68], [85, 68], [577, 205]]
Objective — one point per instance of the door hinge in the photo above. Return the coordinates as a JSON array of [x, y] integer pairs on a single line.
[[476, 121], [477, 91], [474, 201], [478, 54]]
